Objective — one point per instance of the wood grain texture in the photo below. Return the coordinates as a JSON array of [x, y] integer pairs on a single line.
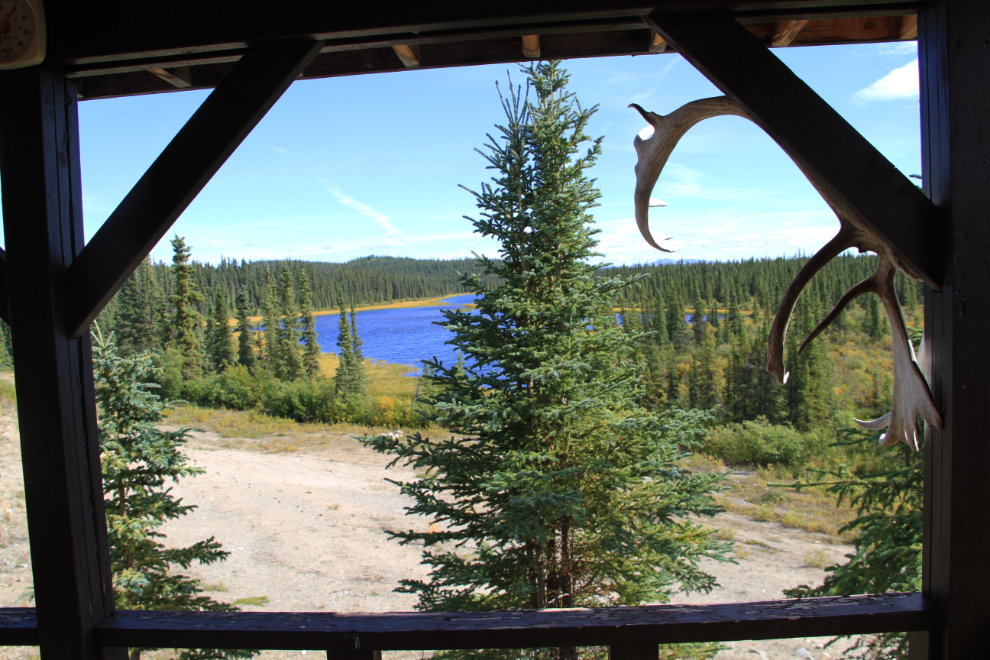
[[813, 134], [954, 58], [42, 205], [18, 626], [124, 30], [521, 629], [175, 178]]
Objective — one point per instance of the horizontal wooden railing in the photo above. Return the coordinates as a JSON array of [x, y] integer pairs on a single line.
[[347, 633]]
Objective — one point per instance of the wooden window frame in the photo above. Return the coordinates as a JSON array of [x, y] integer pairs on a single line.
[[55, 286]]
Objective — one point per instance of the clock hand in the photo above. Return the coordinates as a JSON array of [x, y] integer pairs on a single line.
[[4, 28]]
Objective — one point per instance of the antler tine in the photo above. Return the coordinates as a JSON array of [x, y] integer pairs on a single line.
[[653, 151], [778, 331], [911, 395], [866, 286]]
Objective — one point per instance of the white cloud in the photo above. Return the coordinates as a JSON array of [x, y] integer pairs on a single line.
[[901, 83], [280, 150], [380, 218]]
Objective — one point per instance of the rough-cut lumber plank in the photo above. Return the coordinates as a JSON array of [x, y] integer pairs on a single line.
[[521, 629], [657, 43], [179, 77], [909, 28], [178, 174], [785, 31], [531, 45], [408, 54], [42, 209], [18, 626], [813, 134], [126, 30], [954, 58]]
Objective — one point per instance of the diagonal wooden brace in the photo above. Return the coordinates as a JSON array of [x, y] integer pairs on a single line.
[[813, 134], [190, 160]]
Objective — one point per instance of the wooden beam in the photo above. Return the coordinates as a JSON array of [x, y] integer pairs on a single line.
[[175, 178], [56, 407], [909, 27], [179, 77], [813, 134], [531, 45], [657, 43], [4, 305], [126, 30], [18, 626], [953, 62], [785, 32], [651, 624], [409, 54]]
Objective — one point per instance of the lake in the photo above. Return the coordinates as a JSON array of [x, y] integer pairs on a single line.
[[405, 335]]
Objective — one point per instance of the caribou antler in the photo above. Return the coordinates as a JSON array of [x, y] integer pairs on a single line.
[[911, 395]]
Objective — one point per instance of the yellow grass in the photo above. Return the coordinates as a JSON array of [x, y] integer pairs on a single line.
[[749, 494], [404, 304]]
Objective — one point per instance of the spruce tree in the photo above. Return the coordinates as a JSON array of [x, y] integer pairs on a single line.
[[289, 364], [221, 338], [186, 318], [138, 461], [568, 489], [245, 354], [269, 318], [136, 329], [311, 352], [345, 378]]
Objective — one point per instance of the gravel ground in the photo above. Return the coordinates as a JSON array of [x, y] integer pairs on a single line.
[[305, 533]]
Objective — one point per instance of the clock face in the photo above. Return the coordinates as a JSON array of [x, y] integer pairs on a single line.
[[18, 30]]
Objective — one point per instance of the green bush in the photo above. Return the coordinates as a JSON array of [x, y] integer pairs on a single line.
[[236, 388], [762, 443], [169, 378], [302, 400]]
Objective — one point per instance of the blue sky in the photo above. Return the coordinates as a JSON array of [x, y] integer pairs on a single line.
[[346, 167]]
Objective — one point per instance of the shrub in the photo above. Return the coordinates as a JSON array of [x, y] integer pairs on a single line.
[[762, 443]]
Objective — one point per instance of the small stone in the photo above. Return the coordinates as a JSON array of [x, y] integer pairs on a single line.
[[801, 652]]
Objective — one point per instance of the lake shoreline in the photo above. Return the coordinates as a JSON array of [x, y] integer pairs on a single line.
[[406, 304]]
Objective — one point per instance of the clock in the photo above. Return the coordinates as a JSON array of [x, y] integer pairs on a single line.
[[22, 33]]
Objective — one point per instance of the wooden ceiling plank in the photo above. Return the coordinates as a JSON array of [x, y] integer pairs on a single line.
[[409, 54], [909, 27], [180, 77], [784, 32], [813, 134], [657, 44], [190, 160], [531, 46]]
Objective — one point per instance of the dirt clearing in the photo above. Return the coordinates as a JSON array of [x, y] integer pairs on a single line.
[[305, 532]]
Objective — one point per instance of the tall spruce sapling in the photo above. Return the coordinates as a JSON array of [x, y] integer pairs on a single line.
[[288, 360], [555, 488], [220, 338], [245, 354], [138, 461], [309, 338], [186, 318]]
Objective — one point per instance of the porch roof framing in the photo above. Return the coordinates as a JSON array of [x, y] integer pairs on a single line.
[[52, 285]]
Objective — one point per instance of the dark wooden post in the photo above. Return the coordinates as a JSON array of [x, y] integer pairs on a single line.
[[954, 53], [634, 652], [42, 209]]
